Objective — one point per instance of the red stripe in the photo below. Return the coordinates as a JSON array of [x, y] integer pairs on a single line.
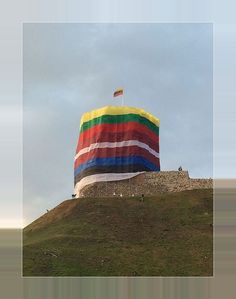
[[98, 130], [118, 137], [124, 151], [117, 93]]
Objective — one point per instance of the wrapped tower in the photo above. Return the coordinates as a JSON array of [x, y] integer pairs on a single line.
[[115, 143]]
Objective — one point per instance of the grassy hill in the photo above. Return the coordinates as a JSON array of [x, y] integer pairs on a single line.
[[165, 235]]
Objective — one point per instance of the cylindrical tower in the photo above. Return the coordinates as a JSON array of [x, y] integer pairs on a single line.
[[115, 143]]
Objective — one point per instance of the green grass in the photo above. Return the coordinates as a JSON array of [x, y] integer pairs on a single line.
[[166, 235]]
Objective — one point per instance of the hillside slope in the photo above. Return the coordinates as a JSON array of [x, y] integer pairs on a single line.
[[166, 235]]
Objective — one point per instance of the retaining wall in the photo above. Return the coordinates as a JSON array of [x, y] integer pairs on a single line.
[[148, 183]]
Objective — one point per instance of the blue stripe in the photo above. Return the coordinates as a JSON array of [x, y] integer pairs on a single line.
[[116, 161]]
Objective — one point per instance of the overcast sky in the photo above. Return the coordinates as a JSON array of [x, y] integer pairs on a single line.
[[72, 68]]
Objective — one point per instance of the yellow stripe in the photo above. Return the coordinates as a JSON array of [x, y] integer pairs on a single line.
[[119, 89], [118, 110]]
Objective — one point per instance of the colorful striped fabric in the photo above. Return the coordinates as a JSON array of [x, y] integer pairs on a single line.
[[115, 143]]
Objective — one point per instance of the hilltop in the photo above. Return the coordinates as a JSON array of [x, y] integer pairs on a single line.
[[164, 235]]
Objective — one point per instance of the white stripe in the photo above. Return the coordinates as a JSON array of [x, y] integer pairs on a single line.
[[116, 144], [102, 177]]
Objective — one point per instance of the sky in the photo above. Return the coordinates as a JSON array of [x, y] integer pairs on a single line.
[[69, 69]]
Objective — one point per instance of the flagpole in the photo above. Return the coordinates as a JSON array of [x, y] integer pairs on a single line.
[[120, 93]]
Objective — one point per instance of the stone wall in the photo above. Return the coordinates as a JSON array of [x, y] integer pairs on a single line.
[[148, 183]]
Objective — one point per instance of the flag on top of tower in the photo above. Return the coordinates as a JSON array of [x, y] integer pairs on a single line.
[[118, 92]]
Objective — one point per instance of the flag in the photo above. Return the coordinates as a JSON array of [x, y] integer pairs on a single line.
[[118, 92]]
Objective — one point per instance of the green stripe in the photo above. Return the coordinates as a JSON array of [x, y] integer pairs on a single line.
[[111, 119]]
